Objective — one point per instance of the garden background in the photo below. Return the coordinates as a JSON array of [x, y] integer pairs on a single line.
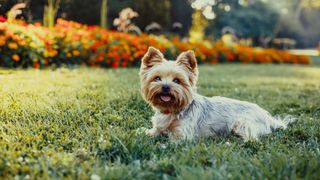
[[40, 33], [70, 105]]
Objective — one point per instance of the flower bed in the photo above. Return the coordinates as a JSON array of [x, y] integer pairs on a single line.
[[26, 45]]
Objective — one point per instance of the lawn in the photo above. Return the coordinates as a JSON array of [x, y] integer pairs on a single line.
[[84, 123]]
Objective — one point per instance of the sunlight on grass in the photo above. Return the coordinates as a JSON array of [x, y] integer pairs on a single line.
[[79, 122]]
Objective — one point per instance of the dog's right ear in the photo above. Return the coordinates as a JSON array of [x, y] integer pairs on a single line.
[[151, 58]]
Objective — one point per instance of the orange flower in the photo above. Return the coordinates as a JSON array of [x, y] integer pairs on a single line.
[[22, 42], [96, 46], [45, 62], [15, 57], [75, 52], [68, 55], [53, 53], [13, 45], [2, 41]]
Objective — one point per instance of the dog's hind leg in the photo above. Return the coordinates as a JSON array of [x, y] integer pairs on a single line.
[[244, 130]]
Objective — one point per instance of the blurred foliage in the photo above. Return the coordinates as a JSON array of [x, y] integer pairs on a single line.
[[299, 20], [295, 19], [254, 20], [71, 43], [199, 23], [84, 11], [310, 3], [181, 12], [258, 19], [152, 11]]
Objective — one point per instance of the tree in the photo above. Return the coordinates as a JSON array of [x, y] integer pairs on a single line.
[[103, 13], [299, 20], [152, 11], [256, 19], [181, 12], [50, 12], [83, 11]]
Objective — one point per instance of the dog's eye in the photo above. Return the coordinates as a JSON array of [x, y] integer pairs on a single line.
[[157, 78], [177, 81]]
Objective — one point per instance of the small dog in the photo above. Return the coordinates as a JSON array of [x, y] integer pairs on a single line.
[[170, 88]]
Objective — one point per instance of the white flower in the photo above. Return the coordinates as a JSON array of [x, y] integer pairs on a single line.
[[95, 177], [141, 130]]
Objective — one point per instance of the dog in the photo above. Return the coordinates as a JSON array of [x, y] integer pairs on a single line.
[[181, 113]]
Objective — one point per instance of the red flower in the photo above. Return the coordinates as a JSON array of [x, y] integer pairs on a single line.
[[230, 57], [3, 19], [125, 56], [115, 64], [116, 57], [124, 64], [36, 65], [214, 61]]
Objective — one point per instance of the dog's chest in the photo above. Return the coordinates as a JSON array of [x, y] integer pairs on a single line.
[[174, 124], [179, 128]]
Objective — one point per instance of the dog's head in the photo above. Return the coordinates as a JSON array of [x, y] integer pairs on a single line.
[[168, 85]]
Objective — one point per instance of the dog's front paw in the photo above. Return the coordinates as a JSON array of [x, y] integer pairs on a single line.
[[152, 132]]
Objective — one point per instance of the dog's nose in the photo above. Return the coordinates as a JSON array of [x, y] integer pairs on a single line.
[[165, 88]]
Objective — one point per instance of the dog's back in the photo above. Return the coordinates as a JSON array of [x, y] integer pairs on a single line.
[[221, 115]]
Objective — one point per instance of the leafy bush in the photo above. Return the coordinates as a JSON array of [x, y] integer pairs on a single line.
[[26, 45]]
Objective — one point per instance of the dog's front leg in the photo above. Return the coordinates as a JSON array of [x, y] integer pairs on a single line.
[[160, 124], [153, 132]]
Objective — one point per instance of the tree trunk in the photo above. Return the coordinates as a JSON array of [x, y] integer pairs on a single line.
[[103, 14]]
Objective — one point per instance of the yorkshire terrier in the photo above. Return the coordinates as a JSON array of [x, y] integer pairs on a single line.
[[170, 88]]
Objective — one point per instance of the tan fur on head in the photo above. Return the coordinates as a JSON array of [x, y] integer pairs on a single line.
[[151, 58], [158, 74], [188, 59]]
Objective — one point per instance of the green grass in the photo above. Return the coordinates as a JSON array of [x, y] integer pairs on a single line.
[[315, 60], [83, 123]]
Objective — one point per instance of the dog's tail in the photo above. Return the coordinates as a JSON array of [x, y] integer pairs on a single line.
[[288, 119], [282, 123]]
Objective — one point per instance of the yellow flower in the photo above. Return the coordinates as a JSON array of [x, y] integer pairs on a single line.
[[33, 45], [15, 57], [13, 45]]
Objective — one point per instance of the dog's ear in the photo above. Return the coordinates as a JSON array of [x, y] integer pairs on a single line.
[[152, 57], [188, 59]]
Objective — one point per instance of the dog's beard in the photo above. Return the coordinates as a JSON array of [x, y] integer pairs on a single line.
[[172, 102]]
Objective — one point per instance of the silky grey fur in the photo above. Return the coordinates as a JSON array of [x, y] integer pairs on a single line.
[[220, 116]]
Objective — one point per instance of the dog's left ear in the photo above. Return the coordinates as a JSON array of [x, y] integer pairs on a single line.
[[188, 59]]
